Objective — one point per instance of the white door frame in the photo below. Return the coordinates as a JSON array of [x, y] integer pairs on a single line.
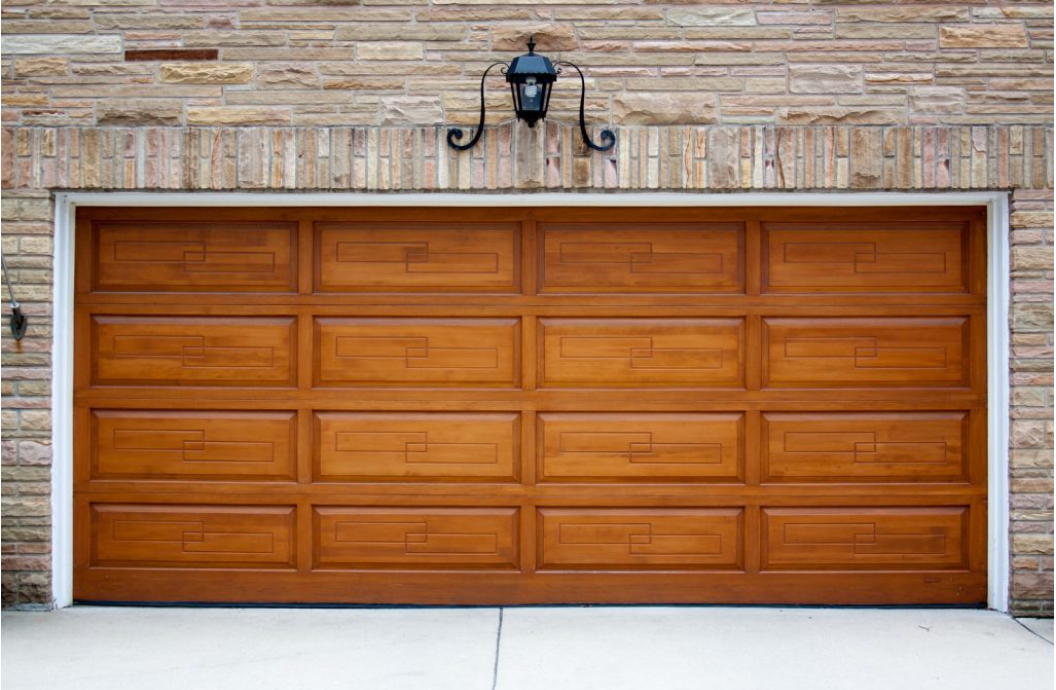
[[998, 287]]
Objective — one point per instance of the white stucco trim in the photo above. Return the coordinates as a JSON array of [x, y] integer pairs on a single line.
[[998, 287]]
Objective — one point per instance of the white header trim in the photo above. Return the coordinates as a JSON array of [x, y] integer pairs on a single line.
[[998, 287]]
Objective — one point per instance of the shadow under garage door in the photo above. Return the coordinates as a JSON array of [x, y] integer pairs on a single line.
[[501, 406]]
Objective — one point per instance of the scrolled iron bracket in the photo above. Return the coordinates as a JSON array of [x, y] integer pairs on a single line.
[[455, 133], [18, 322], [607, 135]]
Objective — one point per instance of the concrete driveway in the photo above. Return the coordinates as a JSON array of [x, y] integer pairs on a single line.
[[608, 648]]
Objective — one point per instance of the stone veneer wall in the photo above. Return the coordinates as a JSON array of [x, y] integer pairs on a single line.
[[512, 157], [723, 96]]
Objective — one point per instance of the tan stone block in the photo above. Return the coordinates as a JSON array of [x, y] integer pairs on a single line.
[[983, 36], [711, 16], [24, 100], [390, 51], [61, 44], [732, 33], [324, 15], [139, 112], [834, 115], [287, 75], [1032, 543], [222, 115], [550, 37], [664, 109], [419, 70], [907, 31], [241, 37], [627, 33], [764, 85], [365, 84], [41, 67], [1033, 219], [898, 77], [399, 32], [936, 99], [284, 97], [298, 54], [824, 78], [900, 13], [1030, 258], [410, 110], [107, 21], [206, 73], [866, 158], [50, 26]]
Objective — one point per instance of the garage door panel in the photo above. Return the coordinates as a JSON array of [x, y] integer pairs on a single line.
[[408, 446], [407, 352], [651, 353], [865, 447], [642, 257], [628, 446], [417, 257], [198, 536], [414, 538], [861, 352], [195, 256], [200, 351], [865, 538], [186, 445], [523, 405], [642, 539], [866, 257]]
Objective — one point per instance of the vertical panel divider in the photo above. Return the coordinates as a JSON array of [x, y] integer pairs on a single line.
[[753, 537], [306, 257], [529, 453], [753, 346], [305, 534], [305, 382], [753, 249], [529, 258]]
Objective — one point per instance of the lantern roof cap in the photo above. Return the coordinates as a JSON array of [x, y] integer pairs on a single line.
[[531, 65]]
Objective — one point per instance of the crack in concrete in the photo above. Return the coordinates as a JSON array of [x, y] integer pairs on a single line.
[[498, 643]]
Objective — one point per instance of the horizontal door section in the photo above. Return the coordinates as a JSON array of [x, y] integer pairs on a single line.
[[645, 353], [409, 538], [637, 447], [865, 447], [911, 352], [193, 351], [230, 256], [184, 445], [417, 257], [642, 257], [866, 257], [417, 352], [409, 446]]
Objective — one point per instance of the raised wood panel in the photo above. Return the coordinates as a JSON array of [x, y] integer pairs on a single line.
[[876, 352], [198, 536], [865, 538], [416, 352], [865, 447], [649, 353], [169, 444], [640, 539], [401, 538], [627, 446], [195, 256], [417, 257], [408, 446], [198, 351], [866, 257], [641, 257]]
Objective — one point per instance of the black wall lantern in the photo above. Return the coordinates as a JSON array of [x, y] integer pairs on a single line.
[[531, 78]]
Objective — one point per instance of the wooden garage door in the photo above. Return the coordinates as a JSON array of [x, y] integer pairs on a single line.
[[514, 406]]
